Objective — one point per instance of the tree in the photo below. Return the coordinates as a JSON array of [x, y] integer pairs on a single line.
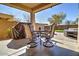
[[67, 22], [75, 22], [57, 18], [26, 17], [50, 20]]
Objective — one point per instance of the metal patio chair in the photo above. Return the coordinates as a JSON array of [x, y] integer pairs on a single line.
[[48, 35], [32, 42]]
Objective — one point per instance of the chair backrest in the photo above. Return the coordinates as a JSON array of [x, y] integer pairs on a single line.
[[28, 31], [18, 32], [52, 30]]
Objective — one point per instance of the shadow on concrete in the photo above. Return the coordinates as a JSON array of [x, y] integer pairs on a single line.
[[54, 51], [16, 44], [40, 50]]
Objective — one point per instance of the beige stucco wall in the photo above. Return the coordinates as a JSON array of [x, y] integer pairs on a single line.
[[4, 28], [5, 16], [39, 25], [6, 23], [78, 36], [78, 30]]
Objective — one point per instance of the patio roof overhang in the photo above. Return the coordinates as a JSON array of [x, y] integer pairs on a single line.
[[31, 7]]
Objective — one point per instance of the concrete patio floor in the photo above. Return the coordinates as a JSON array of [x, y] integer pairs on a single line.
[[9, 47], [64, 46], [66, 42]]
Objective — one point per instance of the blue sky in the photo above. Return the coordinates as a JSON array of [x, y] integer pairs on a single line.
[[70, 9]]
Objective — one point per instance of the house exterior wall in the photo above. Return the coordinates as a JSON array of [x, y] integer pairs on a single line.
[[6, 25], [62, 27], [78, 36], [5, 16], [40, 26]]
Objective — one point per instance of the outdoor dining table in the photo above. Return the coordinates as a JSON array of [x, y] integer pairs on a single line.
[[39, 34]]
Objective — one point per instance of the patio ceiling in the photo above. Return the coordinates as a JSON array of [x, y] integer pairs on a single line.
[[31, 7]]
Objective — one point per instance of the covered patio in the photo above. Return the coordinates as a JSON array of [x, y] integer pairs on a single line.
[[64, 46]]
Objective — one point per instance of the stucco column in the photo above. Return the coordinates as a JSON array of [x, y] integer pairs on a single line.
[[78, 36], [33, 19]]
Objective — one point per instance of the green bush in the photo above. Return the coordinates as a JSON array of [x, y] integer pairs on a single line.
[[9, 32], [59, 30]]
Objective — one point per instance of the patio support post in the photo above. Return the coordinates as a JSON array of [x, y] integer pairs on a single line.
[[78, 36], [33, 19]]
